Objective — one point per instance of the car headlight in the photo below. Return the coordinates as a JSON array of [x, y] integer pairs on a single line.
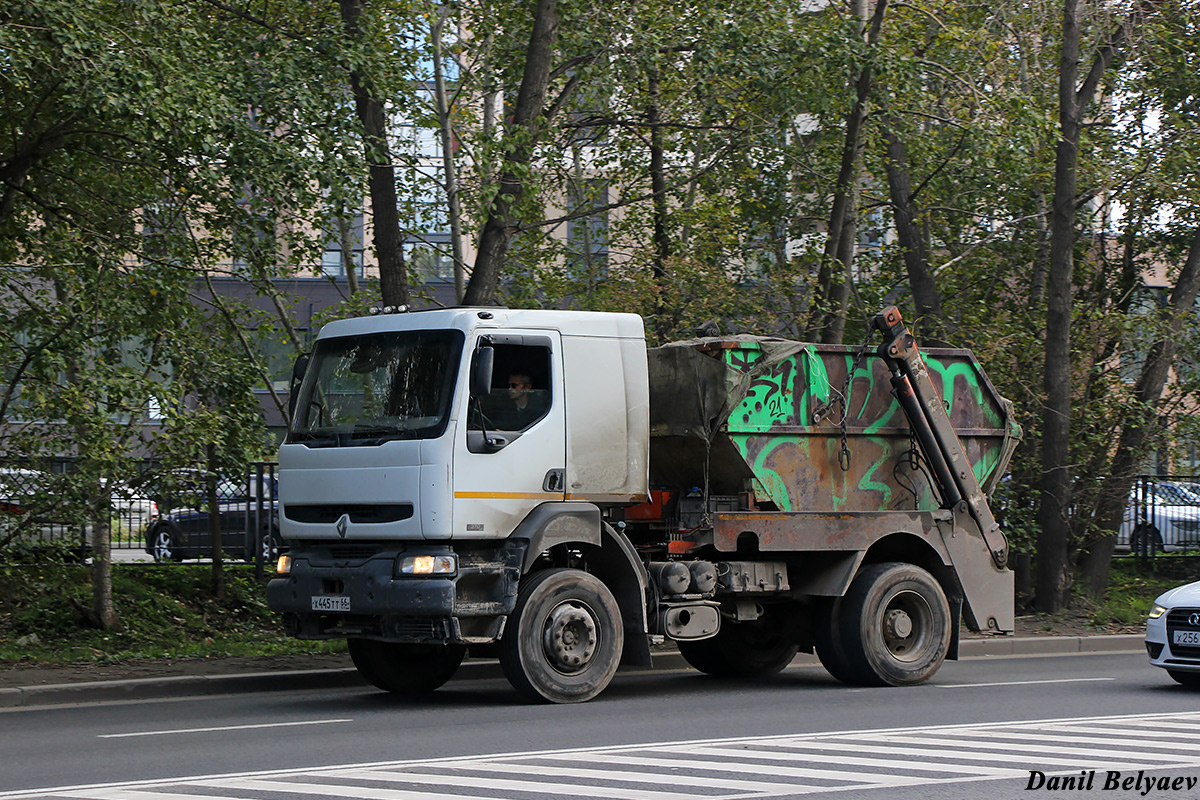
[[284, 565], [1157, 611], [445, 564]]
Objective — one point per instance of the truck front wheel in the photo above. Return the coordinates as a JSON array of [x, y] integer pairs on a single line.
[[405, 668], [893, 626], [563, 641]]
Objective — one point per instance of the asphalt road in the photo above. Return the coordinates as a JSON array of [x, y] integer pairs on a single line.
[[981, 727]]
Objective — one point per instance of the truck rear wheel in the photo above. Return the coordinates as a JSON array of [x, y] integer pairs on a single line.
[[893, 626], [741, 650], [828, 641], [563, 641], [405, 668]]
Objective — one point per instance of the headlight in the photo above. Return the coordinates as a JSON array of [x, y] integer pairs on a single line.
[[1157, 611], [284, 565], [429, 565]]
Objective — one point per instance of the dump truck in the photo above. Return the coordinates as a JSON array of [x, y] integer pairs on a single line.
[[539, 487]]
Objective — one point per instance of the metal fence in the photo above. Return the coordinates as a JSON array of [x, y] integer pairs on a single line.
[[163, 515], [1162, 515]]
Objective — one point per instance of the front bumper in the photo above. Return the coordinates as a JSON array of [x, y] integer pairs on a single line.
[[1177, 658], [332, 594]]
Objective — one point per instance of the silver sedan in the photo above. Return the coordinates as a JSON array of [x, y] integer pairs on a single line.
[[1173, 634]]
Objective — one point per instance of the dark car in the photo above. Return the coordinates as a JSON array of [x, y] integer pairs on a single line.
[[182, 531]]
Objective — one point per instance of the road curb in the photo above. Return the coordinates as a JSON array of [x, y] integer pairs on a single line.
[[484, 669], [1049, 645]]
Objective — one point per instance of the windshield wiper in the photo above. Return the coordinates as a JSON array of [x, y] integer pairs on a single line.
[[382, 433], [314, 438]]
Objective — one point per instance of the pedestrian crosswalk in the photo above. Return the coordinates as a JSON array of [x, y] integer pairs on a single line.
[[724, 769]]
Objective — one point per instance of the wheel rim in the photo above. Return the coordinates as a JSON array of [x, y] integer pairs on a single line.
[[162, 545], [905, 624], [570, 638]]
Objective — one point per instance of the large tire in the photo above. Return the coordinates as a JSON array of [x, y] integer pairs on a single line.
[[828, 641], [405, 668], [563, 641], [1189, 679], [893, 626], [742, 650]]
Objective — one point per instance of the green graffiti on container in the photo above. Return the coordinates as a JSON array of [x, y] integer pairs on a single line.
[[798, 463]]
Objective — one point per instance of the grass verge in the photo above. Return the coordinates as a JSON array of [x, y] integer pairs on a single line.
[[1134, 584], [167, 611]]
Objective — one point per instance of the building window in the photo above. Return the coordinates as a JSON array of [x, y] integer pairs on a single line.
[[277, 351], [343, 236], [587, 236], [430, 260]]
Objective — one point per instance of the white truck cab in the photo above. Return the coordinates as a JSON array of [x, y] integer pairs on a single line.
[[432, 454], [390, 444]]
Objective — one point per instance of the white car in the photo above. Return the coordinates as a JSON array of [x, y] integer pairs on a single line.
[[1173, 634], [132, 507], [1162, 516]]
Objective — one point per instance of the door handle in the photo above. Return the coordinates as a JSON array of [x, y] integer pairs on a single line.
[[555, 480]]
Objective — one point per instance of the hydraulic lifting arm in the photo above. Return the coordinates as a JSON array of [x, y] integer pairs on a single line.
[[923, 406]]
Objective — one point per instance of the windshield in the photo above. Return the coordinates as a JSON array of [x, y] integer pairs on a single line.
[[378, 387]]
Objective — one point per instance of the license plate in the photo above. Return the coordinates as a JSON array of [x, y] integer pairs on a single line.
[[1185, 637], [331, 602]]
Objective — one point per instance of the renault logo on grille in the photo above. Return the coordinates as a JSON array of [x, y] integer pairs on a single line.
[[1194, 619], [342, 523]]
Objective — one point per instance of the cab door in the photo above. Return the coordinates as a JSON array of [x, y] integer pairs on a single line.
[[510, 456]]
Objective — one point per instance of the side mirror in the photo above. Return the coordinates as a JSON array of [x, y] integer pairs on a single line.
[[299, 369], [481, 371]]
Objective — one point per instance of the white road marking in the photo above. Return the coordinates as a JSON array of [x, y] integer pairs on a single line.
[[1101, 756], [947, 749], [1018, 683], [747, 768], [292, 788], [753, 768], [1132, 733], [855, 761], [117, 793], [223, 728], [650, 778], [1048, 735], [510, 785]]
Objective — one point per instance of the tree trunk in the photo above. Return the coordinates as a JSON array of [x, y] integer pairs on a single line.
[[381, 174], [103, 611], [926, 297], [450, 183], [828, 306], [1136, 432], [214, 522], [103, 608], [1053, 564], [346, 243], [500, 224], [658, 184], [833, 326]]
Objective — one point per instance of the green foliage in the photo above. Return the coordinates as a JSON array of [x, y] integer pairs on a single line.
[[167, 611], [1133, 585], [149, 145], [133, 166]]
